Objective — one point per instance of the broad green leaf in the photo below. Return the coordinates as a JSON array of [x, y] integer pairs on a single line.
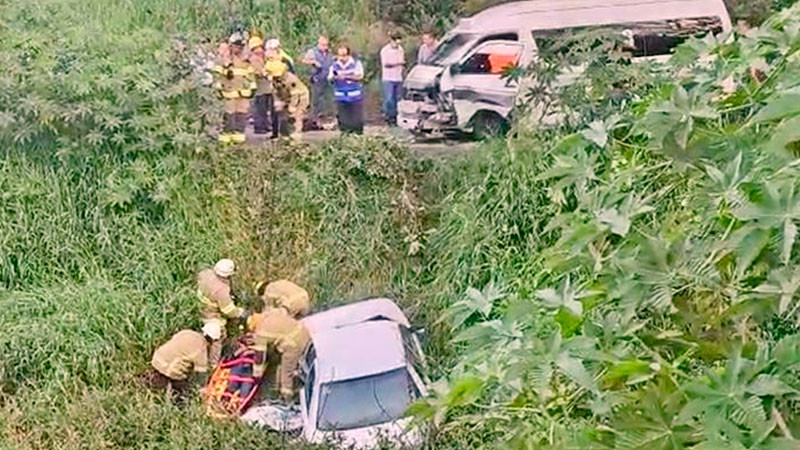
[[619, 224], [464, 391], [784, 135], [749, 242], [567, 296], [479, 302], [782, 106], [596, 133], [575, 371], [765, 385], [626, 369], [787, 351], [568, 322], [783, 284], [789, 236]]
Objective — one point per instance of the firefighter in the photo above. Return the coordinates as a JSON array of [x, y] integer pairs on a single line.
[[235, 82], [292, 93], [216, 296], [275, 45], [263, 103], [182, 362], [278, 329]]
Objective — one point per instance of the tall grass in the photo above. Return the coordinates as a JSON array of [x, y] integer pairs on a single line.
[[111, 200]]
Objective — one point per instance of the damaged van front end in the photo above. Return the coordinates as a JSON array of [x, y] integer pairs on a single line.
[[424, 109]]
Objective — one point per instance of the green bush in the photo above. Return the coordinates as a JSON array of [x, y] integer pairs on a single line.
[[638, 270]]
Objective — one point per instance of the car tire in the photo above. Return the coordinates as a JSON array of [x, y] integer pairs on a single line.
[[487, 124]]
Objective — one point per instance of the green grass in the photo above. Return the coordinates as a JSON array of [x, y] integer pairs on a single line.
[[111, 200]]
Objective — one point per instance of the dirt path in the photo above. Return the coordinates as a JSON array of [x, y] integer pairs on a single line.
[[424, 149]]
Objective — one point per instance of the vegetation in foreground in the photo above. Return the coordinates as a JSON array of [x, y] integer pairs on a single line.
[[632, 276]]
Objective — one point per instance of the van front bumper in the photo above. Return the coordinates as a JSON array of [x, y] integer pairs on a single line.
[[422, 117]]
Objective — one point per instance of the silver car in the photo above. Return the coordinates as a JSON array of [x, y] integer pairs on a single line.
[[361, 372]]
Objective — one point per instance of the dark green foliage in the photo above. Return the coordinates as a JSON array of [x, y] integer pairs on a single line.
[[656, 259]]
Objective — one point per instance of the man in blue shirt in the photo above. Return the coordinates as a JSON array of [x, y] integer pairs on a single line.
[[319, 58]]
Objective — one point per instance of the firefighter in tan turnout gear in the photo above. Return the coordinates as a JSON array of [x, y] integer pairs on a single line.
[[182, 362], [278, 329], [216, 295], [290, 90], [236, 85]]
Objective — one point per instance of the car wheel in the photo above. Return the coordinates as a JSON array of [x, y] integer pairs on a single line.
[[487, 125]]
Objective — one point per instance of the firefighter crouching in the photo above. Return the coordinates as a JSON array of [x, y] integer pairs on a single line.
[[278, 329], [182, 362], [236, 85], [216, 296], [294, 95]]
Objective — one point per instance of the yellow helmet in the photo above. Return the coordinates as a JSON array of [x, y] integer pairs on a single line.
[[255, 42], [252, 321], [276, 68]]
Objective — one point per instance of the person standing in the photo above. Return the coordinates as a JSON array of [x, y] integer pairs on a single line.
[[393, 61], [263, 103], [216, 297], [320, 60], [427, 49], [274, 46], [236, 86], [347, 74]]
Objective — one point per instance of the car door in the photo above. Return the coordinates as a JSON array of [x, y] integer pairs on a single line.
[[477, 82]]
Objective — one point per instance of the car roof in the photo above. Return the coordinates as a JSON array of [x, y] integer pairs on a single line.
[[358, 350], [355, 313], [556, 14]]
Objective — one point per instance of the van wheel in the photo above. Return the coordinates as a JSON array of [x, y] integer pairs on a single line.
[[488, 125]]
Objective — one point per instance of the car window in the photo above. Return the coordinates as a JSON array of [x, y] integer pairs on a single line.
[[492, 58], [367, 401], [309, 383], [500, 37], [412, 350], [446, 51], [639, 39], [311, 355]]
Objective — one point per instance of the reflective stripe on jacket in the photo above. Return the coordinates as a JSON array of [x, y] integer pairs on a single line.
[[214, 294], [187, 351], [278, 330], [347, 91], [235, 79]]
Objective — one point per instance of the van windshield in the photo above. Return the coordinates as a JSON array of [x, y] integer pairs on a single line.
[[447, 51], [367, 401]]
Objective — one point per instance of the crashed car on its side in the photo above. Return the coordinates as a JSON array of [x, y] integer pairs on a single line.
[[360, 373]]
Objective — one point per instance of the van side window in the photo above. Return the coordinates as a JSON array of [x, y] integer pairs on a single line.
[[500, 37], [309, 383], [492, 59], [642, 39]]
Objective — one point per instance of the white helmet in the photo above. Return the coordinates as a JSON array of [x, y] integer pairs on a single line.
[[224, 268], [212, 330], [272, 44]]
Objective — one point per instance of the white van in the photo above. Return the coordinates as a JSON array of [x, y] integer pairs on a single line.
[[462, 89]]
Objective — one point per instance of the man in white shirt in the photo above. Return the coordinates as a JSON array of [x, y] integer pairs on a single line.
[[427, 49], [393, 61]]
